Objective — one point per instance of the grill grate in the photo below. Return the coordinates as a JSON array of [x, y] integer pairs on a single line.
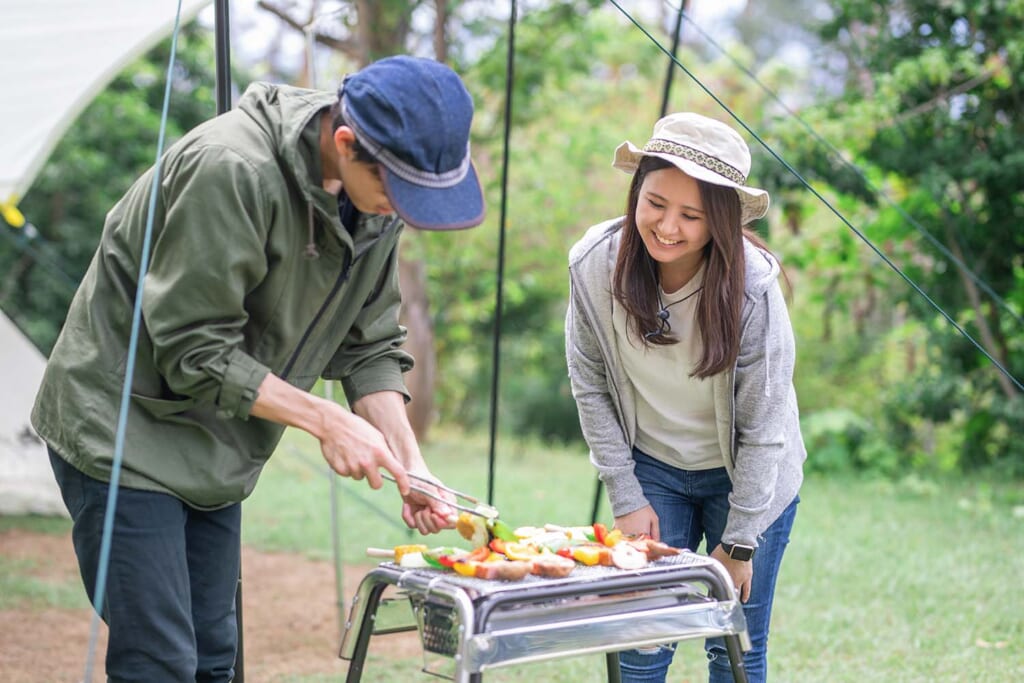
[[477, 588]]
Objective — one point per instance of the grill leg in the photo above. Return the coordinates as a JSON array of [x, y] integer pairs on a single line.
[[355, 667], [612, 663], [732, 646]]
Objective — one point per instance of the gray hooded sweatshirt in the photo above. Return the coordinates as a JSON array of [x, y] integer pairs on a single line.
[[755, 403]]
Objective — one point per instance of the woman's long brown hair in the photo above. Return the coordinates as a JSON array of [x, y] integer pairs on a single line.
[[720, 301]]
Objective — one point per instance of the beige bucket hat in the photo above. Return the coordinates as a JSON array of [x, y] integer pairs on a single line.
[[702, 148]]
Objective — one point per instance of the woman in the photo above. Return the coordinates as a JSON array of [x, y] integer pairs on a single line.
[[681, 354]]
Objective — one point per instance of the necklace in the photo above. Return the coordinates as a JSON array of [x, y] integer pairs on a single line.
[[663, 315]]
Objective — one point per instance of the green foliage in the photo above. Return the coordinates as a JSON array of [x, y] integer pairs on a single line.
[[928, 114], [107, 147], [575, 104]]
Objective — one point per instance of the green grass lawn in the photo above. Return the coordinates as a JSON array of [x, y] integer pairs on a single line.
[[883, 581], [910, 581]]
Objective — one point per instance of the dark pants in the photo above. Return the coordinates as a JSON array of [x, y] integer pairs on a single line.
[[169, 600]]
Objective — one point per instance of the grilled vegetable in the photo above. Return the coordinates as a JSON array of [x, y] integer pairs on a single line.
[[627, 556], [529, 531], [413, 560], [654, 549], [499, 529], [590, 554], [473, 528], [443, 557], [403, 550], [521, 551], [612, 537]]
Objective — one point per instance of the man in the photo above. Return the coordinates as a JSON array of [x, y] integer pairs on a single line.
[[274, 263]]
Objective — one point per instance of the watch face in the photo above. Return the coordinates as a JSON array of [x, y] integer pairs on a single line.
[[742, 553]]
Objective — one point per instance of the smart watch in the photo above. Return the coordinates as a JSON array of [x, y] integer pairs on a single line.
[[743, 553]]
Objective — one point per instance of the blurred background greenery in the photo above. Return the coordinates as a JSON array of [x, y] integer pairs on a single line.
[[909, 537], [921, 97]]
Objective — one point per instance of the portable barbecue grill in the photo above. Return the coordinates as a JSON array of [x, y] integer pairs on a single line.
[[469, 625]]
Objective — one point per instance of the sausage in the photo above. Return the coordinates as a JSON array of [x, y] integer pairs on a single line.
[[505, 570], [654, 549], [552, 566]]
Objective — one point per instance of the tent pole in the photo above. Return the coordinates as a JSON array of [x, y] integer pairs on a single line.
[[496, 358], [223, 55], [222, 27], [599, 487], [672, 60]]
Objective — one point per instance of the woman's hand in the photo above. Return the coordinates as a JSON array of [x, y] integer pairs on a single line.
[[741, 571], [642, 521]]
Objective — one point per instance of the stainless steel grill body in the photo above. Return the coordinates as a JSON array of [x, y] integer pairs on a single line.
[[487, 624]]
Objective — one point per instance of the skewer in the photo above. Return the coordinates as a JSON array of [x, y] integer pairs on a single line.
[[485, 511]]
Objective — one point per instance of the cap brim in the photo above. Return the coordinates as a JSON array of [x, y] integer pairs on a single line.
[[427, 208], [753, 200]]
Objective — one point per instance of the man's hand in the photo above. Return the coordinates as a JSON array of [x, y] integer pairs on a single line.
[[351, 446], [354, 448], [357, 444], [425, 513], [385, 410]]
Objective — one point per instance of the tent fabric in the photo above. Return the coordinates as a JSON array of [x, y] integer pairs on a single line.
[[57, 55], [26, 481]]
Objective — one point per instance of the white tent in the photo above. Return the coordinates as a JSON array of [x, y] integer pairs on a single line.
[[57, 55], [26, 482]]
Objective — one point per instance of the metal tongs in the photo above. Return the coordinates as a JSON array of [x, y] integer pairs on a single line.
[[488, 512]]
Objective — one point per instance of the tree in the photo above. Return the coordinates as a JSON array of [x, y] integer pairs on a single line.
[[113, 140], [365, 31], [931, 110]]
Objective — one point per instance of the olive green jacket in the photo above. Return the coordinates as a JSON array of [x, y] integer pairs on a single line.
[[232, 293]]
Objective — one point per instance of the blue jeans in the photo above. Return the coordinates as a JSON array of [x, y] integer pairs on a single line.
[[693, 506], [169, 600]]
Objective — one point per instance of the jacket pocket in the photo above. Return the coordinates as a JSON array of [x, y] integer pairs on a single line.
[[162, 408]]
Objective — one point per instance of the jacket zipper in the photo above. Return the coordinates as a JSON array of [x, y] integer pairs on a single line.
[[342, 278]]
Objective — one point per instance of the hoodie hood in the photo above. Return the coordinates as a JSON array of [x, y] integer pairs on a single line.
[[762, 269], [283, 113]]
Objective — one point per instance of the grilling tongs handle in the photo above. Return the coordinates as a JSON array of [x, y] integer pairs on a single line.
[[482, 510]]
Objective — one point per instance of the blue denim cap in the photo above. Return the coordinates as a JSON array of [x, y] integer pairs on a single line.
[[414, 116]]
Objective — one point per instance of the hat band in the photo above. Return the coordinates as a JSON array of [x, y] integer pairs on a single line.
[[698, 157], [402, 169]]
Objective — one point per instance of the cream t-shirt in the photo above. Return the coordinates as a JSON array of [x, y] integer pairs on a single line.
[[675, 412]]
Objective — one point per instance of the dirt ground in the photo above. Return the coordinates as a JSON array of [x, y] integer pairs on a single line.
[[290, 618]]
